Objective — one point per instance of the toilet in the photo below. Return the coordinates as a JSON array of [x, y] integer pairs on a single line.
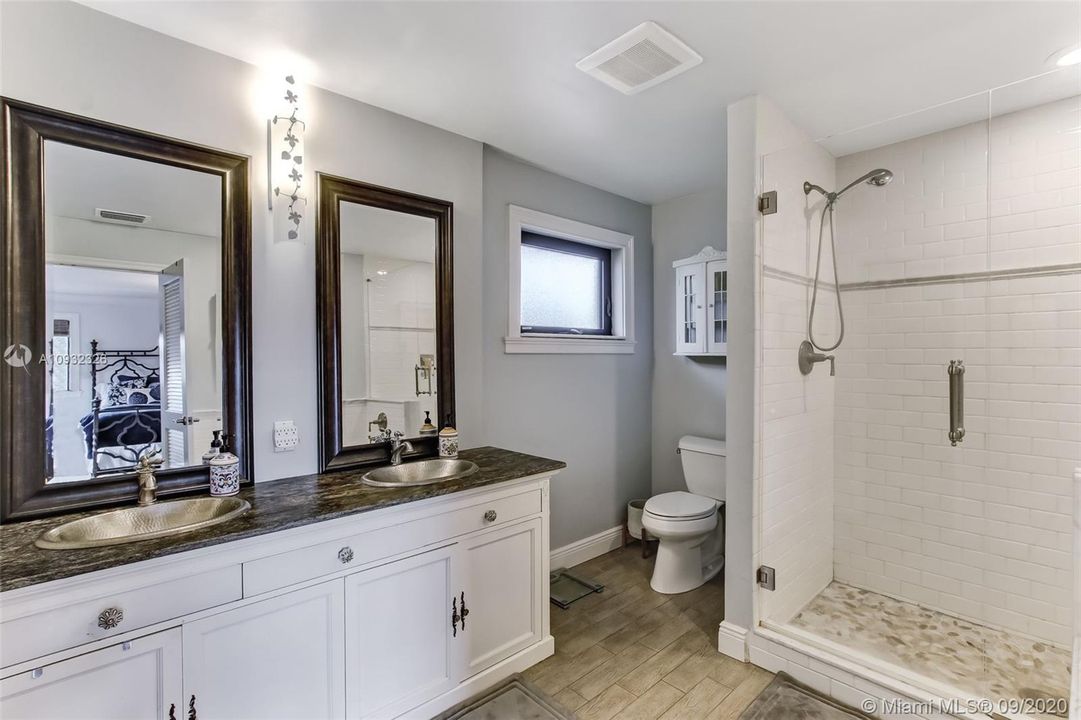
[[690, 525]]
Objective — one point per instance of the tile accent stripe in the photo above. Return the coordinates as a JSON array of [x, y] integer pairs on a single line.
[[1039, 271]]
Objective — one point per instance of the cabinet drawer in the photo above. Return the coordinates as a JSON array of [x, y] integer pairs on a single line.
[[308, 563], [32, 636]]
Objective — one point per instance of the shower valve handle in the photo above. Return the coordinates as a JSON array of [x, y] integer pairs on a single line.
[[808, 358]]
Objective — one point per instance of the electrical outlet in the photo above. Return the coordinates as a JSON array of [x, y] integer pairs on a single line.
[[286, 437]]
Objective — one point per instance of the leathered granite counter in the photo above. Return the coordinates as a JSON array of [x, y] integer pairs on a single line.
[[276, 505]]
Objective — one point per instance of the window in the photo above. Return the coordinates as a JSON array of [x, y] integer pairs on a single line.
[[566, 286], [571, 286]]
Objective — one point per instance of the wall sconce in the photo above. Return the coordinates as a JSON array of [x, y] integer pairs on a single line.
[[285, 158]]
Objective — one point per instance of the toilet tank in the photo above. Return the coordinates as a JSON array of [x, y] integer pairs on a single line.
[[704, 465]]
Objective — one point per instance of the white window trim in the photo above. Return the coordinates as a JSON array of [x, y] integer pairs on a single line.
[[622, 246]]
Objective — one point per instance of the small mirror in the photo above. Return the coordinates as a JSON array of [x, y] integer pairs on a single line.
[[132, 313], [389, 371], [386, 321]]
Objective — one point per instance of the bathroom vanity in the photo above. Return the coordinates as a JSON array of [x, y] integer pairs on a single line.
[[329, 599]]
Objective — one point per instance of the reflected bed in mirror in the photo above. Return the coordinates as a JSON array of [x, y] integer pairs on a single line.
[[127, 256], [132, 298], [386, 321]]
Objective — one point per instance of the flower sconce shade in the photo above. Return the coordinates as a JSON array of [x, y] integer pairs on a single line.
[[285, 161]]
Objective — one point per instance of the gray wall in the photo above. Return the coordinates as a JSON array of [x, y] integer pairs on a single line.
[[70, 57], [593, 411], [688, 393]]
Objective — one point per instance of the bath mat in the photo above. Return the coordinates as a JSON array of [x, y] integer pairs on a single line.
[[786, 698], [512, 699]]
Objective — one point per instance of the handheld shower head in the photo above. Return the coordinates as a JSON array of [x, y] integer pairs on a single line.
[[880, 177]]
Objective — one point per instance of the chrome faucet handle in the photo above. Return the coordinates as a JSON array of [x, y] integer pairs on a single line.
[[150, 462]]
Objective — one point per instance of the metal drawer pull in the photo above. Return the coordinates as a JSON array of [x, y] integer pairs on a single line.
[[454, 617], [465, 611], [110, 618], [956, 372], [346, 554], [490, 516]]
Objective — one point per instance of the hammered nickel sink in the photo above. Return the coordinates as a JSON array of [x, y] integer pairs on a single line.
[[422, 472], [142, 523]]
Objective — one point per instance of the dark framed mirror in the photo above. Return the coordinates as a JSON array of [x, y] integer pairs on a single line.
[[384, 273], [126, 329]]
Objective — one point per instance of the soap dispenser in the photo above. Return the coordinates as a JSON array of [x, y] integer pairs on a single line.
[[427, 428], [215, 448]]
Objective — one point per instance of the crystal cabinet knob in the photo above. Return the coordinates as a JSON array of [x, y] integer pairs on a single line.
[[489, 516], [346, 554]]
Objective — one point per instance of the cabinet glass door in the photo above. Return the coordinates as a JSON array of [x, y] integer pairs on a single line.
[[717, 277], [690, 310]]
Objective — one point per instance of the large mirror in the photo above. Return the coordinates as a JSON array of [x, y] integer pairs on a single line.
[[127, 269], [384, 263]]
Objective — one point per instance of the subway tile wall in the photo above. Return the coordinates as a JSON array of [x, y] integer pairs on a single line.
[[981, 530]]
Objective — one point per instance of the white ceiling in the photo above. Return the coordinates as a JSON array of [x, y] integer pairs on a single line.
[[504, 73], [367, 230], [78, 180]]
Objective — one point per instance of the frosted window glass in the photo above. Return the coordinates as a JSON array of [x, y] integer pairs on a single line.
[[560, 290]]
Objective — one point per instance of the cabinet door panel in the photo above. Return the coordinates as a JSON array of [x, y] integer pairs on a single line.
[[401, 649], [501, 570], [690, 308], [716, 327], [137, 680], [283, 657]]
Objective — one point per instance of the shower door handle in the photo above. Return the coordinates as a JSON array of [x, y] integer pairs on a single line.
[[956, 373]]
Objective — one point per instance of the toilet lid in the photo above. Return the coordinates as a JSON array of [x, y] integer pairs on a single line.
[[682, 505]]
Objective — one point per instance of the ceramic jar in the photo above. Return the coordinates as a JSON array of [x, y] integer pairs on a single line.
[[224, 474]]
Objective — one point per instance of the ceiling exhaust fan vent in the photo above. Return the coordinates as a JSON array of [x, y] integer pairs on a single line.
[[640, 59], [120, 218]]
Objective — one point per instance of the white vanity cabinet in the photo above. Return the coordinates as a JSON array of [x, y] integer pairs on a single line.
[[399, 612], [282, 658], [135, 680], [402, 648], [702, 304]]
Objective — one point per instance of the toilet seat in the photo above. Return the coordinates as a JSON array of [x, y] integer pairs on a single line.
[[680, 506]]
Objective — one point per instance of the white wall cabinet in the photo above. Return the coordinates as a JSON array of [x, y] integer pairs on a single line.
[[135, 680], [702, 303], [278, 658], [401, 612]]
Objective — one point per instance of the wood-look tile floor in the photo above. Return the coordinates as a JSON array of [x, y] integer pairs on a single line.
[[633, 654]]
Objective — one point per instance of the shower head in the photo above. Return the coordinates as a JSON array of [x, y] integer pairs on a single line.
[[877, 178], [880, 177]]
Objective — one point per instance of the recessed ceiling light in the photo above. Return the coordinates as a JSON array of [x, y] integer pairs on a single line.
[[1067, 56]]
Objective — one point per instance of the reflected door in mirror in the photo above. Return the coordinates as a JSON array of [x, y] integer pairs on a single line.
[[133, 313]]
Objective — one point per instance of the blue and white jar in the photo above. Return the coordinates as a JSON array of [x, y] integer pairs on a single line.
[[224, 474]]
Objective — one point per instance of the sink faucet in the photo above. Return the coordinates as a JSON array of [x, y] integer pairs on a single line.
[[148, 484], [398, 446]]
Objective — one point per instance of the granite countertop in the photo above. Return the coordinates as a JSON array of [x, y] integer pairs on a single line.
[[276, 505]]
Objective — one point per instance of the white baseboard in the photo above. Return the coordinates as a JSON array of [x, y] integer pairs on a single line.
[[732, 640], [587, 548]]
